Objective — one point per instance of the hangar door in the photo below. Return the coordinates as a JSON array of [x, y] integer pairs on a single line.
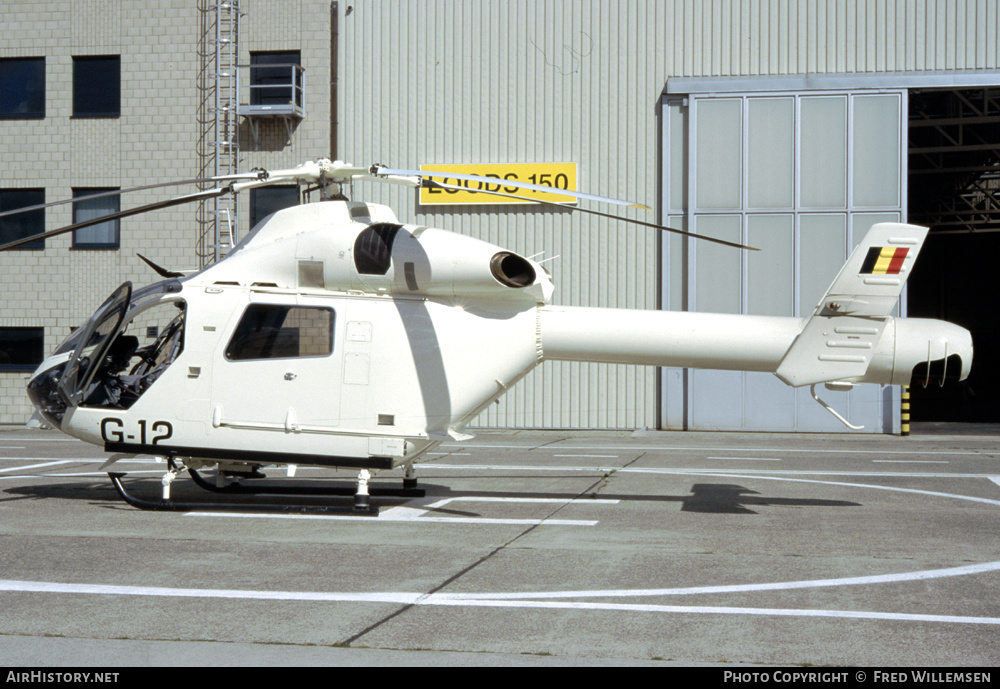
[[802, 176]]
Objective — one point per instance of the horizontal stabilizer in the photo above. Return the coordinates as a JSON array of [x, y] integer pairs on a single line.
[[831, 348]]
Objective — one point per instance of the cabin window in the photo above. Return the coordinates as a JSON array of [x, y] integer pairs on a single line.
[[273, 331]]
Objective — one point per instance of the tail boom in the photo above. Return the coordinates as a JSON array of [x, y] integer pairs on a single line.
[[906, 349], [666, 338]]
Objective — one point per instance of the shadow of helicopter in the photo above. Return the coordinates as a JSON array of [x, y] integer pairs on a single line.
[[704, 498]]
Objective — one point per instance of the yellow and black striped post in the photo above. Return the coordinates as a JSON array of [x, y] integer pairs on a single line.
[[904, 412]]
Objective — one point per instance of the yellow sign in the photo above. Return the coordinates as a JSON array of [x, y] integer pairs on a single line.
[[464, 191]]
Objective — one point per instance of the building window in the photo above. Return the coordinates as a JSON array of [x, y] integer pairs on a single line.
[[21, 225], [22, 88], [21, 349], [267, 200], [269, 331], [274, 76], [97, 86], [105, 235]]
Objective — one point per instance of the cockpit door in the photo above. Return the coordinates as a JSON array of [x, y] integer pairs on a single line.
[[93, 344]]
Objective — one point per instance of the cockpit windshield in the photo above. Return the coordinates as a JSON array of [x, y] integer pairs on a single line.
[[93, 342], [110, 365], [149, 338]]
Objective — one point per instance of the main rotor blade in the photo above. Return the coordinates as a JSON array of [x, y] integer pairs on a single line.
[[432, 184], [176, 201], [119, 192], [384, 171]]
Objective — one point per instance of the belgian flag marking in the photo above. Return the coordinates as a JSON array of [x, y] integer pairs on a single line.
[[884, 260]]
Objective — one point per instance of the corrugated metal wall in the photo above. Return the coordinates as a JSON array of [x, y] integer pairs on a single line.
[[567, 81]]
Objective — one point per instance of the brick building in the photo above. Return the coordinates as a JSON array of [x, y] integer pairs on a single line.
[[109, 94]]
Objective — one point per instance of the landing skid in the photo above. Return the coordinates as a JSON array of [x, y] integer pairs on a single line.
[[345, 491], [172, 506]]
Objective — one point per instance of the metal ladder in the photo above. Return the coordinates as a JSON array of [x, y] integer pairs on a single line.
[[225, 144]]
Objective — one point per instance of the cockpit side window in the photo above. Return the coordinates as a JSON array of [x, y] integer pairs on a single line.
[[277, 331]]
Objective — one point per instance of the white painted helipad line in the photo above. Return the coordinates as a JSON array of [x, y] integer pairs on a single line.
[[49, 459], [666, 448], [32, 467], [921, 575], [513, 600], [417, 512], [709, 610], [399, 514], [699, 471], [159, 591], [932, 493], [752, 459], [76, 474], [792, 472], [44, 440], [94, 460], [102, 474], [475, 498]]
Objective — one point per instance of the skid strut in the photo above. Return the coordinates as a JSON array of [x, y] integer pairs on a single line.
[[361, 498]]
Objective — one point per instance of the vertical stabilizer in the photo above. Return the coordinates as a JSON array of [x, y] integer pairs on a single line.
[[839, 340]]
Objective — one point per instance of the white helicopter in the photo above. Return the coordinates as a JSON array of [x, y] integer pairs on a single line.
[[334, 335]]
